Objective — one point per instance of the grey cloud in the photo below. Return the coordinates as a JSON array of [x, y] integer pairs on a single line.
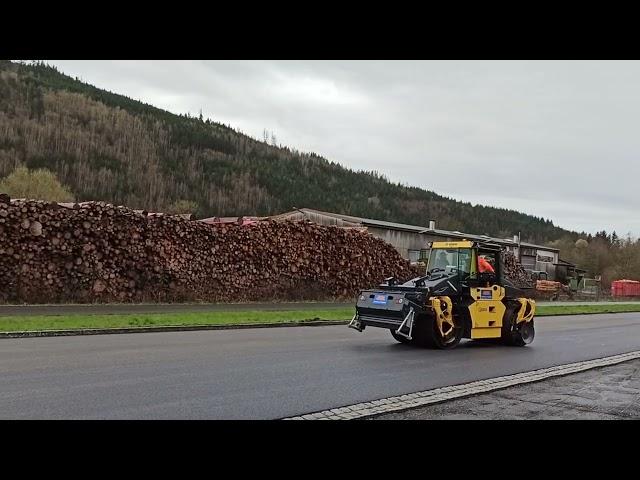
[[555, 139]]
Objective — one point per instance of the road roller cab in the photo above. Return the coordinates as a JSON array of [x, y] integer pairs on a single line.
[[460, 296]]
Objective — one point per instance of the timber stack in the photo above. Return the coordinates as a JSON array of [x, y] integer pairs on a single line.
[[515, 272], [98, 252]]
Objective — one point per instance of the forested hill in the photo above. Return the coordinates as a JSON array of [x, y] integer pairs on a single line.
[[105, 146]]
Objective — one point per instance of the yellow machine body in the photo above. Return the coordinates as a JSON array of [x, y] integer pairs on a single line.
[[527, 310], [443, 310], [455, 299], [488, 309], [487, 312]]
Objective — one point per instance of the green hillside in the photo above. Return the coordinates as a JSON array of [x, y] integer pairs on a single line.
[[105, 146]]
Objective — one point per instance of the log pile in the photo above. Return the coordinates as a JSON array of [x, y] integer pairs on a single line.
[[550, 290], [515, 272], [548, 286], [97, 252]]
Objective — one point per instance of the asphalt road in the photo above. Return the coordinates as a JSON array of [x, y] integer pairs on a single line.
[[268, 373]]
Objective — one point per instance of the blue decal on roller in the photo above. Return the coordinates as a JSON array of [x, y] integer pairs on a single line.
[[380, 299]]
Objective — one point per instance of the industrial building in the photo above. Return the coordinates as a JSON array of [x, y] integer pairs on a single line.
[[411, 240]]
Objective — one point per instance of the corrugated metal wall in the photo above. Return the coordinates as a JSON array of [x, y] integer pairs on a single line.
[[405, 241]]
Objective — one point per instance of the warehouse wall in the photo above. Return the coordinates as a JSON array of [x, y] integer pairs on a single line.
[[402, 241], [544, 261], [406, 241]]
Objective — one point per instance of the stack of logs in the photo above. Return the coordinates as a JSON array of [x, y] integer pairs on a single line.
[[97, 252], [515, 272], [548, 286]]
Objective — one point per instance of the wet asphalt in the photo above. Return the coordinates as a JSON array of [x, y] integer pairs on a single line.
[[268, 373]]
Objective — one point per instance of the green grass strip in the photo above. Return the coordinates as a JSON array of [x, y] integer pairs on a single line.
[[548, 310], [80, 321], [83, 321]]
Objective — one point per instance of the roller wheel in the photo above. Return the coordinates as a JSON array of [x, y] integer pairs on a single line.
[[524, 334], [507, 325], [426, 334], [400, 338]]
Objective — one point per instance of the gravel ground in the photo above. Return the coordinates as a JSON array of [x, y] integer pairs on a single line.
[[609, 393]]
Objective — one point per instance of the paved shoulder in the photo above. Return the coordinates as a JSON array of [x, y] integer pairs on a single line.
[[608, 393]]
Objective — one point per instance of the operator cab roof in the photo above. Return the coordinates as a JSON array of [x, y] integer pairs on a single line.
[[466, 244]]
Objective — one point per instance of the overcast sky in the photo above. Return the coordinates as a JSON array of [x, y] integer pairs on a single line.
[[557, 139]]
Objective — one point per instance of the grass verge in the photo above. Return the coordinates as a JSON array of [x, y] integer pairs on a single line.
[[80, 321], [548, 310]]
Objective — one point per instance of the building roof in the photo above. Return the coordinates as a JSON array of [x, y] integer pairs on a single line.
[[569, 265], [413, 228], [236, 220], [564, 263]]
